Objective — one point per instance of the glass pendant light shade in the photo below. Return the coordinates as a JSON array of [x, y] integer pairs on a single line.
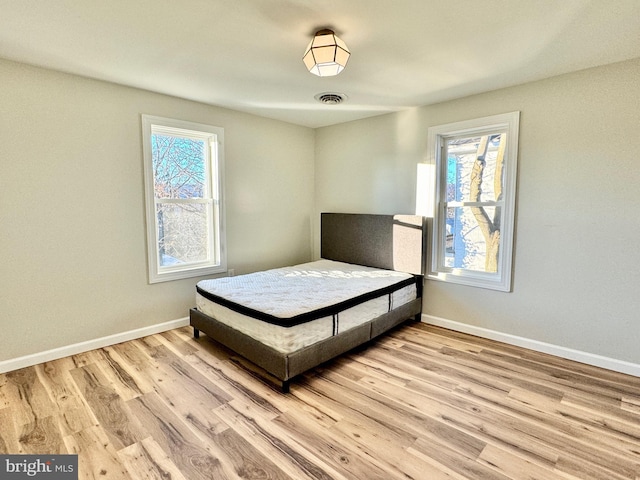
[[326, 55]]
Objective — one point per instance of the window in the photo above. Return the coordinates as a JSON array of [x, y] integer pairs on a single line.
[[475, 190], [183, 166]]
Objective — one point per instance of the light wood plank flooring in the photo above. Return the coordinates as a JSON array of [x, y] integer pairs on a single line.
[[419, 403]]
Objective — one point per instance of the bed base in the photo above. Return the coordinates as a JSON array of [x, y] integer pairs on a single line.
[[286, 366], [392, 242]]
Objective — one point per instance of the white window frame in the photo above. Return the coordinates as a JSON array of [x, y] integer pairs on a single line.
[[214, 138], [500, 280]]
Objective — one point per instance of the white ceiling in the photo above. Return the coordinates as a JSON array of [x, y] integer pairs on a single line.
[[247, 54]]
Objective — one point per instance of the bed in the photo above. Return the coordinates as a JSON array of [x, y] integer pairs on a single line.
[[289, 320]]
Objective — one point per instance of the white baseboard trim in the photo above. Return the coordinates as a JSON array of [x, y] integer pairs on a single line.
[[56, 353], [563, 352]]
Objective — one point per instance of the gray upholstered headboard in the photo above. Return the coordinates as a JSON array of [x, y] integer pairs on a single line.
[[394, 242]]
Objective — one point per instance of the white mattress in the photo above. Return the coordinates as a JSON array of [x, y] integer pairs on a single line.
[[285, 297]]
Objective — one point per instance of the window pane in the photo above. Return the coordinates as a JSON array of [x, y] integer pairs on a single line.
[[465, 242], [182, 233], [475, 168], [178, 166]]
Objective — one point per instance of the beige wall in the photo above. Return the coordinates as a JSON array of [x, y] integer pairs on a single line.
[[73, 242], [576, 280], [73, 262]]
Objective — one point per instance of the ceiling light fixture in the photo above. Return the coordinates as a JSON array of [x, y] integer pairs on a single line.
[[326, 54]]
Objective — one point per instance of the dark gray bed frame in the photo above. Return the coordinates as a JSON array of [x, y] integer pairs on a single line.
[[393, 242]]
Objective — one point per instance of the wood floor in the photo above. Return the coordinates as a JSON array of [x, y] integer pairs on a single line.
[[419, 403]]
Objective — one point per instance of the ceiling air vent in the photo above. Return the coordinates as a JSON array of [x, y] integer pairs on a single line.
[[331, 98]]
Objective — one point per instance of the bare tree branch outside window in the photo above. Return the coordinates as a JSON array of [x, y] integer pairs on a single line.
[[179, 174], [475, 170]]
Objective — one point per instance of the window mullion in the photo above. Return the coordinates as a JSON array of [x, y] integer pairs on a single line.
[[183, 200], [453, 204]]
